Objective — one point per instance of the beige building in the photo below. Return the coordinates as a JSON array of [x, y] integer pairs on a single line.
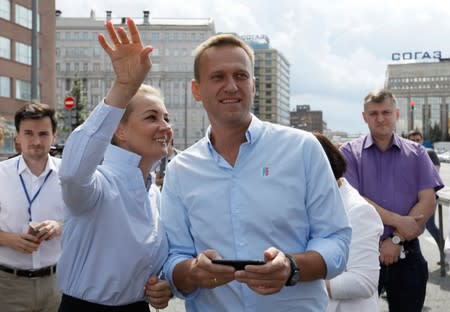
[[426, 87], [272, 73], [15, 60], [79, 56]]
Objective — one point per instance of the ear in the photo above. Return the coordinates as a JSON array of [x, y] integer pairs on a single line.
[[120, 132], [397, 113], [254, 86], [195, 87], [17, 138], [364, 116]]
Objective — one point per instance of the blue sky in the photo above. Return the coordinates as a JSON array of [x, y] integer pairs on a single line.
[[338, 50]]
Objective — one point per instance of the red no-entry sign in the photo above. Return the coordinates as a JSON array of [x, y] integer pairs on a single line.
[[69, 102]]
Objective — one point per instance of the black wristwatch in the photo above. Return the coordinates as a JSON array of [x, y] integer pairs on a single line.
[[295, 271]]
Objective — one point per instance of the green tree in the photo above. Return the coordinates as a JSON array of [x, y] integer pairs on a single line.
[[435, 133], [69, 119]]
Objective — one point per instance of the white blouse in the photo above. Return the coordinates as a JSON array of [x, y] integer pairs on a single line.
[[356, 289]]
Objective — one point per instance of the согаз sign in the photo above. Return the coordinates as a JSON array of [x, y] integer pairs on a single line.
[[406, 56]]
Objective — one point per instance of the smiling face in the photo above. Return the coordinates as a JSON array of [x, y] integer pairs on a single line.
[[146, 130], [225, 85]]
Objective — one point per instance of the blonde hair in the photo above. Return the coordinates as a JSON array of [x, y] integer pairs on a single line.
[[142, 91]]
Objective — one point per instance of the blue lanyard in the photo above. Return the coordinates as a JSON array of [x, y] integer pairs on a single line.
[[30, 201]]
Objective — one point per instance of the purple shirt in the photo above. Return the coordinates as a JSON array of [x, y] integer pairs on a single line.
[[393, 178]]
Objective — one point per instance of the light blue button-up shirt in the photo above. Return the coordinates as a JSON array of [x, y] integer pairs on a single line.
[[281, 192], [113, 240]]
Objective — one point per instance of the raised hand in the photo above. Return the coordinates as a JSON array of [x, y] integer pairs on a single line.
[[130, 60]]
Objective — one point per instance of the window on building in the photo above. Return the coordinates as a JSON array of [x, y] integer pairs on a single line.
[[96, 67], [85, 67], [67, 67], [76, 67], [24, 17], [155, 52], [58, 67], [85, 35], [5, 86], [96, 51], [167, 52], [155, 67], [23, 90], [175, 52], [68, 35], [76, 35], [5, 9], [192, 36], [155, 36], [184, 52], [23, 53], [5, 47], [68, 84], [175, 36]]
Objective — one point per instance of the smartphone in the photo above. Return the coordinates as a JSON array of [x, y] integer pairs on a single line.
[[238, 264], [32, 228]]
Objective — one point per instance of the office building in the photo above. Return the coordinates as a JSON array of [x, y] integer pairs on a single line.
[[81, 58], [306, 119], [16, 58], [422, 91], [272, 73]]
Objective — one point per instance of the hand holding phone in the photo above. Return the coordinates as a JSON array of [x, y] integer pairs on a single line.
[[237, 264], [32, 228]]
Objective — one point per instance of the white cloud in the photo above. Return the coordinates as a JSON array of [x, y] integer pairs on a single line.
[[338, 50]]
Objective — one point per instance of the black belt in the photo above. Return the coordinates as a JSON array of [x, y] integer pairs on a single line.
[[30, 273]]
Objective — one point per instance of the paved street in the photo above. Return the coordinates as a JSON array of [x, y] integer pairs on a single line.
[[438, 288]]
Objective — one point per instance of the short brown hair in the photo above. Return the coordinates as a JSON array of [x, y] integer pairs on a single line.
[[219, 41], [337, 161], [378, 96], [35, 110]]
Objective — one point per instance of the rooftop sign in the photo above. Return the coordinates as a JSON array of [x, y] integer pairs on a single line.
[[416, 56]]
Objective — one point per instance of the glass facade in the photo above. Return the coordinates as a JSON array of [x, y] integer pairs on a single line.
[[24, 16], [5, 47], [23, 90], [23, 53], [5, 86], [5, 9]]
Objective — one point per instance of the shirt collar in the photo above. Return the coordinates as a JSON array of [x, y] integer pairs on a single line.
[[115, 154], [369, 141], [22, 165], [252, 133]]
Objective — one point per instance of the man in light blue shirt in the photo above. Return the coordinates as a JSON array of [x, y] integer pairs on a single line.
[[249, 190]]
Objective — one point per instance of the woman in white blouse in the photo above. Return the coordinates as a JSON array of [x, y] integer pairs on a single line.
[[356, 289]]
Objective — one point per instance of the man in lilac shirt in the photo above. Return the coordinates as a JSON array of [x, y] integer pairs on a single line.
[[399, 179]]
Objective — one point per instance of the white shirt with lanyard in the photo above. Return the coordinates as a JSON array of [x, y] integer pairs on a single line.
[[25, 197]]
